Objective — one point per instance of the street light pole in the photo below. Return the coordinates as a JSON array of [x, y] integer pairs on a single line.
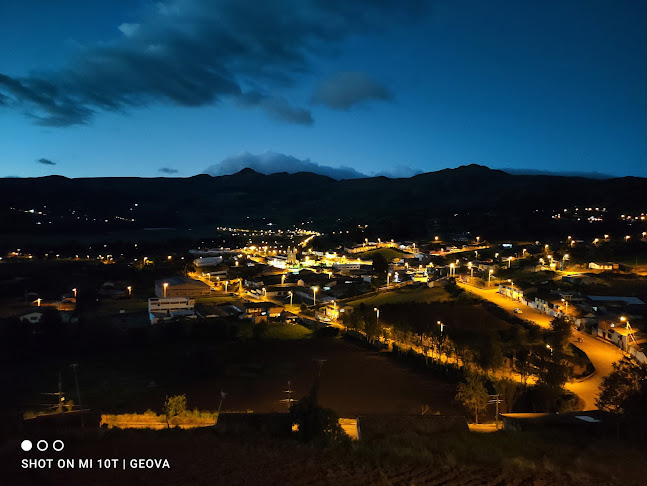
[[290, 294], [566, 304], [314, 295], [165, 286]]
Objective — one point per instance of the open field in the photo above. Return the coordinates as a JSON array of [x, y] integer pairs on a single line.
[[353, 380], [404, 294], [253, 372], [388, 254]]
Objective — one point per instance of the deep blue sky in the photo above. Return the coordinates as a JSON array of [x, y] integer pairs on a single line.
[[129, 87]]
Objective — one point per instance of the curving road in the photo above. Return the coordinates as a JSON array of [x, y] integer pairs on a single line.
[[601, 353]]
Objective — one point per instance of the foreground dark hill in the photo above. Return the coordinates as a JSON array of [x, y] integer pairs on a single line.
[[470, 197]]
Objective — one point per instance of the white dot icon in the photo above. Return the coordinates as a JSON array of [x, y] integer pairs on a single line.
[[26, 445]]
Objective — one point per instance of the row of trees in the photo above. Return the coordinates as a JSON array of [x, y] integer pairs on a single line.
[[528, 351]]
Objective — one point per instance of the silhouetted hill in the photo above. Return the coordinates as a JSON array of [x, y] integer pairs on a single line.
[[470, 197]]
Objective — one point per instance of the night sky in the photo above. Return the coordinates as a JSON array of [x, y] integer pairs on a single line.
[[341, 87]]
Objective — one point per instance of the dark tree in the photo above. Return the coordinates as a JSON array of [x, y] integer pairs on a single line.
[[560, 332], [473, 394], [625, 389], [380, 265], [314, 421]]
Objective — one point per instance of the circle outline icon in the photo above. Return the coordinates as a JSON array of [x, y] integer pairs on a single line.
[[54, 445], [38, 445]]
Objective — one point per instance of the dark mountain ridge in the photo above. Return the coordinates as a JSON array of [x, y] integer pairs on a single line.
[[470, 196]]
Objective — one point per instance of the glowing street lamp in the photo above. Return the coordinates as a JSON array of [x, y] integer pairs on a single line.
[[509, 261], [377, 315], [564, 258], [165, 287], [566, 304], [442, 327], [74, 290], [38, 301], [130, 290], [489, 276], [388, 278], [548, 346], [471, 269], [314, 295], [282, 279], [264, 293], [291, 295], [226, 284]]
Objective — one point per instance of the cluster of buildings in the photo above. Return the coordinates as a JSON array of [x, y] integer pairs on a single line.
[[606, 316]]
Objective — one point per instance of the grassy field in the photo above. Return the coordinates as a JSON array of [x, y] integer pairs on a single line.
[[388, 254], [287, 331], [113, 307], [405, 294], [216, 299]]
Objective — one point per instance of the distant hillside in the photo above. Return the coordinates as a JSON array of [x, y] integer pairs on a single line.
[[469, 197]]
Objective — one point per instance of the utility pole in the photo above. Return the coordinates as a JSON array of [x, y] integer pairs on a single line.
[[222, 397], [495, 399], [74, 366], [61, 398], [320, 362], [288, 401]]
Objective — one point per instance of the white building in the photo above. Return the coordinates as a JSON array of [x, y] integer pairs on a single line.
[[169, 308], [207, 261]]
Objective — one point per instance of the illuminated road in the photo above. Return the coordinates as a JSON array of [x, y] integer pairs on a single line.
[[492, 295], [601, 354]]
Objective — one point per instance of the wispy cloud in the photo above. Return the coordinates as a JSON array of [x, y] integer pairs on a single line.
[[345, 90], [168, 170], [200, 52], [45, 161]]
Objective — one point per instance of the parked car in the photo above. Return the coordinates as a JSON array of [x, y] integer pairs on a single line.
[[517, 310]]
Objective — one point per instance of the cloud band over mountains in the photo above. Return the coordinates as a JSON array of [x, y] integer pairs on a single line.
[[273, 162], [199, 52]]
